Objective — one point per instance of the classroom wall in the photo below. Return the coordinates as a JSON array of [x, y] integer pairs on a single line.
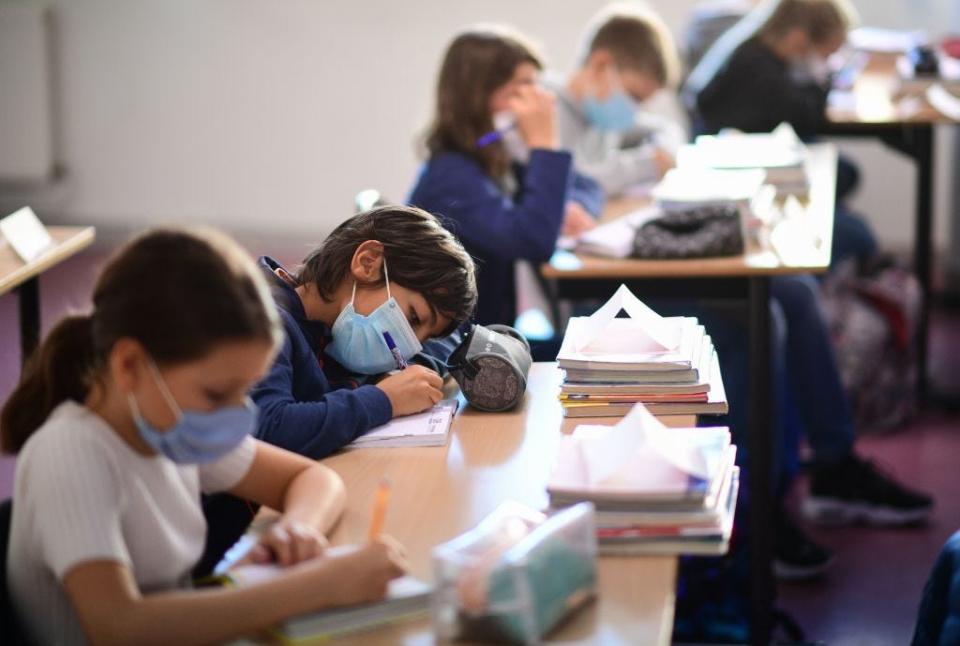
[[267, 117]]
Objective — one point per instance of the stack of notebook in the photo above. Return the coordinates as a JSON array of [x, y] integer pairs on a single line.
[[779, 154], [656, 490], [611, 363]]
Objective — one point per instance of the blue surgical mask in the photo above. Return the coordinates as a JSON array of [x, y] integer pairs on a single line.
[[195, 438], [615, 114], [358, 343]]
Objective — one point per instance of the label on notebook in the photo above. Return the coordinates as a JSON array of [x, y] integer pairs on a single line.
[[429, 428]]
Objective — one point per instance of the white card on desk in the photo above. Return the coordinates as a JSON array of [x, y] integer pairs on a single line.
[[429, 428], [26, 234]]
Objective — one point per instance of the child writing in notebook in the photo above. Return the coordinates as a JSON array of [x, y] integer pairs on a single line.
[[122, 419], [496, 173], [392, 269]]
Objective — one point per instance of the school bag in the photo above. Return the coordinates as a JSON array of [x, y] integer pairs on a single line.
[[873, 316]]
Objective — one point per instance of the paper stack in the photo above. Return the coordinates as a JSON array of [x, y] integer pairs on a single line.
[[779, 154], [611, 363], [656, 490]]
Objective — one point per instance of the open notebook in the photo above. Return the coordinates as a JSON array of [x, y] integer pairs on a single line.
[[430, 428], [407, 597]]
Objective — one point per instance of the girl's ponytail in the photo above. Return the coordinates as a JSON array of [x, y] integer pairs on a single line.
[[60, 369]]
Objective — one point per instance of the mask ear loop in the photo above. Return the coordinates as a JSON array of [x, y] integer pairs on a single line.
[[386, 276], [165, 391]]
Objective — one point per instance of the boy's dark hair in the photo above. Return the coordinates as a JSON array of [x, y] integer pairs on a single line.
[[822, 20], [637, 39], [177, 292], [420, 253], [477, 62]]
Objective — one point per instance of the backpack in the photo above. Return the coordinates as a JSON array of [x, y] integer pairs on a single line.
[[873, 316]]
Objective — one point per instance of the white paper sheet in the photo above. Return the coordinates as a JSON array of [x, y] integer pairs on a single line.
[[644, 326], [605, 450]]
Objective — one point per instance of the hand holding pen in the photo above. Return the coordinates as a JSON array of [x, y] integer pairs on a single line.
[[534, 117]]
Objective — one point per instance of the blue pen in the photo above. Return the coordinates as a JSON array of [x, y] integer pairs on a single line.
[[494, 136], [401, 364]]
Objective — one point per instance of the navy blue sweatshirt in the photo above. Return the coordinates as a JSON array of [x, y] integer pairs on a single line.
[[753, 91], [498, 229], [309, 403]]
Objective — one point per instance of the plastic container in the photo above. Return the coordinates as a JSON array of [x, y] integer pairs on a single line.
[[515, 576]]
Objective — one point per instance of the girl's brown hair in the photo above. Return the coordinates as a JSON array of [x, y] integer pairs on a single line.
[[177, 292], [822, 20], [477, 62], [420, 253]]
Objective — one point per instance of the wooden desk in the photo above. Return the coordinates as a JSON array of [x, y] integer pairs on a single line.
[[439, 493], [24, 277], [745, 278], [877, 112]]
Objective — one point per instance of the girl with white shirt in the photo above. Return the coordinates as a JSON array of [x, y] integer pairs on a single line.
[[122, 419]]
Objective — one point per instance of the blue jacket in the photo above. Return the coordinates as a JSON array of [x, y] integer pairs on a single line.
[[309, 403], [499, 228]]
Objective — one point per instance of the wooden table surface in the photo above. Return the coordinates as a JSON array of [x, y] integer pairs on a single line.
[[811, 255], [873, 99], [439, 493], [67, 242]]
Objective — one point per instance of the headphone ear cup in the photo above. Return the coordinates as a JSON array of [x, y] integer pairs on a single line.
[[509, 331]]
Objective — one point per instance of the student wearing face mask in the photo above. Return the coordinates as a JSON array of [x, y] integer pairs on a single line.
[[496, 173], [122, 419], [394, 270], [627, 57]]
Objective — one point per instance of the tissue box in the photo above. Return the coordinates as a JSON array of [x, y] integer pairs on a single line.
[[515, 576]]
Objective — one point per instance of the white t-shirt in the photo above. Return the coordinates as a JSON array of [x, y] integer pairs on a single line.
[[81, 494]]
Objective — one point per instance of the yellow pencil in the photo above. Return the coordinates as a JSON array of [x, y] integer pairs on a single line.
[[379, 509]]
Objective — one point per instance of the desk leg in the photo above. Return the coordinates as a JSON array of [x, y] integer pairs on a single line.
[[923, 242], [762, 587], [29, 298]]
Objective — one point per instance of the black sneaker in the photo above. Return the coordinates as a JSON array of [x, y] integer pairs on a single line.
[[795, 556], [855, 490]]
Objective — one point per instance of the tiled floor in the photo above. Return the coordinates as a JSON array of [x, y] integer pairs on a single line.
[[870, 596]]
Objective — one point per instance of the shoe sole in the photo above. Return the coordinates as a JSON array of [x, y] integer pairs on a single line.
[[829, 511], [786, 572]]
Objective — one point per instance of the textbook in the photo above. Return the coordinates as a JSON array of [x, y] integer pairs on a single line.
[[714, 404], [407, 598], [656, 490], [430, 428]]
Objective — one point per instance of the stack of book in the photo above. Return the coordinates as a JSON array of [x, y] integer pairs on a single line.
[[779, 154], [656, 490], [611, 363]]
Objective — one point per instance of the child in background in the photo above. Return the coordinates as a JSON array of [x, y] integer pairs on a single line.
[[496, 174], [771, 67], [627, 57], [125, 415]]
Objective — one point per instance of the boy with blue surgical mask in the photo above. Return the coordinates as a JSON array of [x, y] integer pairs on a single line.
[[627, 57], [392, 270]]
